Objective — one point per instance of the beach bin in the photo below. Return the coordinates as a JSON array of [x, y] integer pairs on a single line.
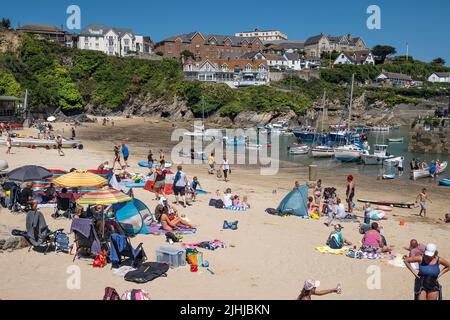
[[174, 257], [313, 172]]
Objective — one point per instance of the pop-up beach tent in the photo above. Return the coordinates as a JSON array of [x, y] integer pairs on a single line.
[[295, 203], [131, 216]]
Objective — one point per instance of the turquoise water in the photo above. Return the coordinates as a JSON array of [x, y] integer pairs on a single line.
[[397, 149]]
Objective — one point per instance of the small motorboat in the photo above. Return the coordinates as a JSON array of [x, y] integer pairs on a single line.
[[424, 173], [348, 153], [322, 152], [395, 140], [378, 156], [299, 150], [444, 182]]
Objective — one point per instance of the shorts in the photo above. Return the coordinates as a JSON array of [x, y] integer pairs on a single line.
[[400, 169], [225, 173], [423, 205], [160, 184], [179, 191], [350, 197], [125, 158], [212, 166]]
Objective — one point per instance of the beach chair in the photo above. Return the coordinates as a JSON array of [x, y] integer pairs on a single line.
[[120, 247], [38, 234], [64, 205], [86, 238]]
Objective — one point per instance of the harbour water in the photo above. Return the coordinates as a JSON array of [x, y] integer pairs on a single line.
[[397, 149]]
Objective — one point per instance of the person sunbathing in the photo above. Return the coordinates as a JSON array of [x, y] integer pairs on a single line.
[[168, 221], [236, 201], [313, 208]]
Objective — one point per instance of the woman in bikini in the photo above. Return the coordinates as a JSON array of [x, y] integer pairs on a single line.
[[168, 221], [350, 193]]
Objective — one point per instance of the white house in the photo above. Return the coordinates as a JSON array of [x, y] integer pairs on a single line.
[[441, 77], [396, 79], [263, 34], [355, 58], [112, 41]]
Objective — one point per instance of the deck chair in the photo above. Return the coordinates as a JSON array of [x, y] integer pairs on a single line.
[[64, 205], [38, 234], [120, 247], [86, 238]]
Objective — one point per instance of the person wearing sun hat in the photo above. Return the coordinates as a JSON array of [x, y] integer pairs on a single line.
[[426, 285], [310, 289]]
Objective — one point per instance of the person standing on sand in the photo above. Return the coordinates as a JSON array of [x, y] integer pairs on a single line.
[[179, 186], [8, 143], [116, 157], [125, 153], [350, 193], [150, 158], [422, 199], [73, 133], [225, 168], [400, 166], [426, 285], [161, 157], [211, 163], [310, 289], [59, 143], [318, 192]]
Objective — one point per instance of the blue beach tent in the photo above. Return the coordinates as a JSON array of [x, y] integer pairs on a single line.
[[131, 216], [295, 203]]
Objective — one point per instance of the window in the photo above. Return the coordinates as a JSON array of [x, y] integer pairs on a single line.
[[248, 67], [224, 67], [126, 42]]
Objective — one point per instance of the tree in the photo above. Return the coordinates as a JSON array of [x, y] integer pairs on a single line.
[[5, 24], [382, 51], [438, 61], [186, 54]]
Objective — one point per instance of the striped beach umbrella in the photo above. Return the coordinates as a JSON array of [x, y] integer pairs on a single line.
[[80, 179], [104, 197]]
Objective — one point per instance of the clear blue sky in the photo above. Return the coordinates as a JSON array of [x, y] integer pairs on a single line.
[[425, 25]]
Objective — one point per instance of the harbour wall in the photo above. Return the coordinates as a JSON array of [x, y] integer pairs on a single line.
[[436, 140]]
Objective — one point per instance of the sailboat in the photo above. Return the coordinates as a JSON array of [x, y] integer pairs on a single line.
[[349, 152], [322, 151]]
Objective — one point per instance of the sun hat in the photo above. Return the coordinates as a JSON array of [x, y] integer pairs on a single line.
[[430, 250], [311, 284]]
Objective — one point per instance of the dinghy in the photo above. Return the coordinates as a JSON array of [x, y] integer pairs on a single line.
[[395, 140], [444, 182], [424, 173], [322, 152], [299, 150]]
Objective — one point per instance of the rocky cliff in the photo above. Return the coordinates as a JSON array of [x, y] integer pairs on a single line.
[[432, 141]]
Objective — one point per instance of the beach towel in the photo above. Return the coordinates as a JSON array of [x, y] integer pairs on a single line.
[[46, 205], [234, 208], [327, 249], [210, 245], [358, 254], [157, 230], [200, 191]]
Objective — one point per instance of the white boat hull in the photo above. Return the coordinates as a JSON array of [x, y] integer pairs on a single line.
[[31, 142], [322, 153], [347, 154], [424, 173], [370, 159]]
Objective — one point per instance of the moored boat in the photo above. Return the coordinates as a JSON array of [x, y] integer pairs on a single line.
[[444, 182], [395, 140], [348, 153], [322, 152], [378, 156], [299, 150]]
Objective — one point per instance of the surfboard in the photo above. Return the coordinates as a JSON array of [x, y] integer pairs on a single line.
[[389, 203]]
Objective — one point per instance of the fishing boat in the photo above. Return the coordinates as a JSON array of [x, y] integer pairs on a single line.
[[305, 134], [444, 182], [395, 140], [299, 150], [378, 156], [392, 161], [424, 173], [322, 152], [43, 143]]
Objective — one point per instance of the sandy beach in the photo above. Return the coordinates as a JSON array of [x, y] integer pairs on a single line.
[[268, 257]]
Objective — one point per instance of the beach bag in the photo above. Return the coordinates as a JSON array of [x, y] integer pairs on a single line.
[[219, 204], [135, 294], [111, 294], [100, 260], [148, 271], [212, 202], [193, 256]]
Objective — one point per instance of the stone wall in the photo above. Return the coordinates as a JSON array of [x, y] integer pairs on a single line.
[[434, 141]]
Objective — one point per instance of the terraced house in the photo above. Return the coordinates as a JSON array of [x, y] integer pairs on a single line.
[[207, 46], [316, 45]]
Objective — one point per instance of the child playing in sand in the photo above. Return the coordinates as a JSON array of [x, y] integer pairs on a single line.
[[313, 208], [236, 201], [194, 185], [244, 204], [310, 289], [422, 198]]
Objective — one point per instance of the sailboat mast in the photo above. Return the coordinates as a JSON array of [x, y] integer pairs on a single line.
[[351, 103]]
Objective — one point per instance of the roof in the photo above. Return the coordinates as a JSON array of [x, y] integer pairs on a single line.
[[292, 56], [39, 28], [240, 63], [8, 98], [442, 74], [100, 30], [220, 39], [357, 56], [283, 44], [314, 40], [400, 76], [258, 30]]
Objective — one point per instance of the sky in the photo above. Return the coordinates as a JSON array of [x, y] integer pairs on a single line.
[[424, 25]]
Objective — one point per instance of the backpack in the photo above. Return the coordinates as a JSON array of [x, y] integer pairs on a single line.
[[212, 202], [135, 294], [111, 294], [219, 204], [147, 272], [62, 242]]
